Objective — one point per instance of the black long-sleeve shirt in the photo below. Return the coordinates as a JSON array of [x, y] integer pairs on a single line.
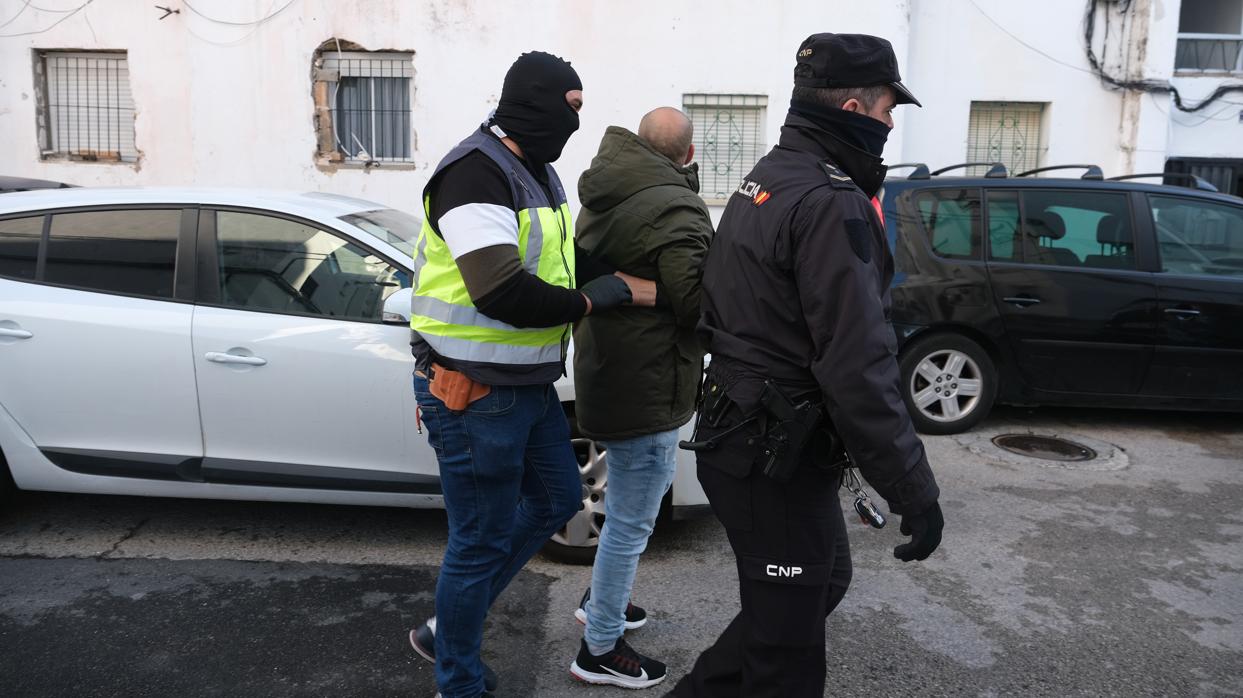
[[473, 210]]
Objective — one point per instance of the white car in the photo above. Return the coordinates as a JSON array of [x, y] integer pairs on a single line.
[[225, 344]]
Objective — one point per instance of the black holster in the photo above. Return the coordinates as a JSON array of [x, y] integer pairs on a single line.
[[790, 430]]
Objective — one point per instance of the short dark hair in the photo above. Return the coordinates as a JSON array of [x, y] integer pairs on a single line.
[[835, 97]]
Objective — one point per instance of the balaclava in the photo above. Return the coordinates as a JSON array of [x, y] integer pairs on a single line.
[[533, 110]]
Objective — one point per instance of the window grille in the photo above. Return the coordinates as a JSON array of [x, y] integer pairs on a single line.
[[86, 108], [369, 104], [1208, 53], [729, 138], [1005, 132]]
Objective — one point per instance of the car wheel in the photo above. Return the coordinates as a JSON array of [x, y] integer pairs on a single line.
[[948, 383], [577, 541]]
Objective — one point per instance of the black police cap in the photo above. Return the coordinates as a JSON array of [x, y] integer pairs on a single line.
[[849, 60]]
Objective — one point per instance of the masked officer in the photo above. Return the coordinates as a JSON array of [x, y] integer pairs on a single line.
[[498, 282], [795, 313]]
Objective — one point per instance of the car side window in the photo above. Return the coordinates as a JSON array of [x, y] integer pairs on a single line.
[[131, 252], [1077, 229], [951, 219], [272, 264], [1004, 230], [1198, 237], [19, 246]]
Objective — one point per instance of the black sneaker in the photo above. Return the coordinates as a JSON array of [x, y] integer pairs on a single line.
[[620, 666], [635, 616], [423, 640]]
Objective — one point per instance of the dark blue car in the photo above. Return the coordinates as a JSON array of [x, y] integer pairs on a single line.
[[1070, 291]]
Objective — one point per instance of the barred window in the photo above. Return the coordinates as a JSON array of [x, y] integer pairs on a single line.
[[363, 102], [86, 111], [729, 139], [1005, 132]]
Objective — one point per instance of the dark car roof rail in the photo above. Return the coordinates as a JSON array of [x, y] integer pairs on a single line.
[[1196, 182], [996, 170], [1093, 172], [920, 170]]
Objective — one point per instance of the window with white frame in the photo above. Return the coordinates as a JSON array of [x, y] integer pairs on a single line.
[[1005, 132], [1210, 37], [363, 102], [86, 110], [729, 139]]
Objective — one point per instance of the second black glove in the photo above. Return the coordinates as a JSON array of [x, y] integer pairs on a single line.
[[925, 532], [606, 292]]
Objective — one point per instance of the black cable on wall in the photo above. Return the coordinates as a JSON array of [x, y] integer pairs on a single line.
[[1154, 86]]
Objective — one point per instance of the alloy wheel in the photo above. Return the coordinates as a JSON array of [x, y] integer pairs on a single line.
[[946, 385], [583, 530]]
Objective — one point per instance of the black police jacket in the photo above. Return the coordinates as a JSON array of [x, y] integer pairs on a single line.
[[796, 289]]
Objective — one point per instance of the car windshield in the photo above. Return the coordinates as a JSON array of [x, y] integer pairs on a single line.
[[397, 228]]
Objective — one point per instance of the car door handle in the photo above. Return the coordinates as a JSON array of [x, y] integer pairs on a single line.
[[1022, 301], [220, 357], [1182, 313], [15, 334]]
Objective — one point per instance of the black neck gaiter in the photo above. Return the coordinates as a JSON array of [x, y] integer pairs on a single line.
[[862, 136], [533, 110], [859, 130]]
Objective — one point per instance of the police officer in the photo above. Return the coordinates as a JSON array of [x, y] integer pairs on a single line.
[[796, 305]]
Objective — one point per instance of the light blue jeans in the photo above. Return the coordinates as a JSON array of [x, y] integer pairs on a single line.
[[640, 471]]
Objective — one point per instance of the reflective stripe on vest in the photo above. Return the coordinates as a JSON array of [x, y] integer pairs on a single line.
[[441, 309]]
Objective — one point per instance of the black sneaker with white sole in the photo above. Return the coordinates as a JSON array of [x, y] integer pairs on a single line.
[[423, 640], [635, 616], [620, 666]]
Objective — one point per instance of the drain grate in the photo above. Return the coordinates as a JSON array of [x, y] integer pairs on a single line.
[[1044, 447]]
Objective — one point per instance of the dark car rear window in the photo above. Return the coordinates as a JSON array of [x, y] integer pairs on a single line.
[[951, 220]]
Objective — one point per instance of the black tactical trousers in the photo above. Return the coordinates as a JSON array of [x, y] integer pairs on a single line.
[[793, 559]]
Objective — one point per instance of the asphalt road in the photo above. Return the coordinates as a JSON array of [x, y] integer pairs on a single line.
[[1119, 576]]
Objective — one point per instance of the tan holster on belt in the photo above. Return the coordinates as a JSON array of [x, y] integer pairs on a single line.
[[455, 388]]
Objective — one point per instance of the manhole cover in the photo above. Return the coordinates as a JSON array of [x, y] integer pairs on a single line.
[[1045, 447]]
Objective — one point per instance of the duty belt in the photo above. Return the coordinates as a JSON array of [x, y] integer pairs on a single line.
[[786, 428]]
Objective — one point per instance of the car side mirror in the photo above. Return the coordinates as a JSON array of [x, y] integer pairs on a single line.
[[397, 307]]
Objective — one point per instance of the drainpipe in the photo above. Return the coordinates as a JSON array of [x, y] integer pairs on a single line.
[[1138, 22]]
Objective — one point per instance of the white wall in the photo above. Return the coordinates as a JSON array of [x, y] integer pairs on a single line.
[[1214, 132], [241, 113], [1217, 130], [958, 56], [221, 105]]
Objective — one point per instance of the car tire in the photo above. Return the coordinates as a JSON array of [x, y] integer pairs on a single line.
[[577, 541], [949, 383]]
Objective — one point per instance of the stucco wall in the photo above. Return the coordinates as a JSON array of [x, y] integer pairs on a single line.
[[242, 113], [220, 105], [958, 56], [1214, 132]]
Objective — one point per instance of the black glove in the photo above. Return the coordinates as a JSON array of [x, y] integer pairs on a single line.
[[925, 532], [606, 292]]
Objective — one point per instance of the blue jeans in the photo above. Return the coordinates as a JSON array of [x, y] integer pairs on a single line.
[[640, 471], [510, 481]]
